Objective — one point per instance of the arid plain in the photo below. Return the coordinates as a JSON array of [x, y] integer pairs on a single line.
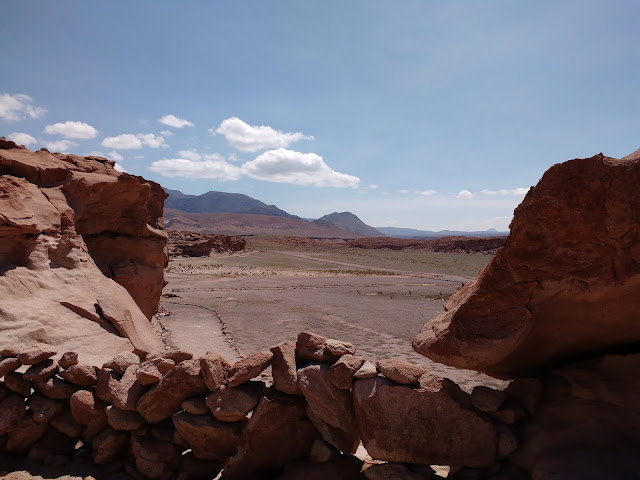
[[376, 299]]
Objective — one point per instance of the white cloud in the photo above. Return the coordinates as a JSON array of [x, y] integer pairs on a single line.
[[288, 166], [128, 141], [113, 155], [175, 122], [464, 194], [22, 138], [403, 191], [426, 193], [18, 107], [190, 155], [119, 168], [210, 166], [166, 133], [72, 130], [249, 138], [520, 192], [150, 140], [62, 146], [373, 186]]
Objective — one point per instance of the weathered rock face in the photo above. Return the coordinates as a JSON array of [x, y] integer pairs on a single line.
[[192, 244], [564, 284], [82, 253]]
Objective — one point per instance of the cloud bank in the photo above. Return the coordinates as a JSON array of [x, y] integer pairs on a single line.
[[129, 141], [212, 166], [18, 107], [22, 138], [249, 138]]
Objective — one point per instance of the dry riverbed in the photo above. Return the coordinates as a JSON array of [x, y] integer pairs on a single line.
[[378, 300]]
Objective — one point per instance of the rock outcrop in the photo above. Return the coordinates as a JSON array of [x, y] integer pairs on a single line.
[[565, 283], [82, 253], [192, 244]]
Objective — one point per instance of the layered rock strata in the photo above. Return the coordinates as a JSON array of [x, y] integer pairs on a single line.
[[82, 246]]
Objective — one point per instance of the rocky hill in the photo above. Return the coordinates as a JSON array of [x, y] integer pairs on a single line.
[[250, 224], [349, 222], [221, 202]]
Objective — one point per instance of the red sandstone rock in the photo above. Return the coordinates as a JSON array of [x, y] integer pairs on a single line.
[[194, 244], [43, 408], [208, 437], [65, 423], [80, 214], [107, 382], [196, 406], [151, 371], [68, 359], [8, 365], [340, 468], [277, 434], [56, 388], [155, 459], [122, 361], [341, 373], [12, 410], [283, 368], [400, 371], [215, 369], [36, 354], [123, 419], [316, 348], [109, 445], [18, 384], [330, 404], [127, 392], [232, 404], [26, 433], [367, 370], [486, 399], [41, 371], [83, 375], [177, 356], [164, 399], [86, 407], [564, 284], [391, 471], [248, 368], [423, 426]]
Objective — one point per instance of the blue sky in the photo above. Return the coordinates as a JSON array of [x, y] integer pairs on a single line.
[[423, 114]]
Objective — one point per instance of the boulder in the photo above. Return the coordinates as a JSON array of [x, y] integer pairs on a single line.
[[109, 445], [87, 408], [82, 246], [12, 409], [283, 368], [277, 434], [232, 404], [44, 409], [563, 285], [66, 424], [18, 384], [106, 383], [83, 375], [36, 353], [316, 348], [123, 419], [331, 405], [400, 371], [196, 405], [8, 365], [151, 371], [155, 459], [41, 371], [26, 433], [426, 426], [367, 370], [68, 359], [208, 437], [587, 424], [248, 368], [215, 369], [56, 388], [126, 393], [122, 361], [341, 373], [165, 398]]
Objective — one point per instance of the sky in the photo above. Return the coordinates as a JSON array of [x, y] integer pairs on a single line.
[[424, 114]]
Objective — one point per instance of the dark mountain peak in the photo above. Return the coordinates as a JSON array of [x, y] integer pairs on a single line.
[[349, 222]]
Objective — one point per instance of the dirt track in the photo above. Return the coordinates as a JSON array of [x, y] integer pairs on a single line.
[[245, 303]]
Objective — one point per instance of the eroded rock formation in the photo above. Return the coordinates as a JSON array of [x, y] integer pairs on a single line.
[[82, 253], [192, 244], [565, 283]]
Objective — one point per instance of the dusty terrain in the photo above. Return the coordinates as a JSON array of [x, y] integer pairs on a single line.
[[376, 299]]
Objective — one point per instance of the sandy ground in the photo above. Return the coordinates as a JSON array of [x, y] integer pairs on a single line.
[[245, 303]]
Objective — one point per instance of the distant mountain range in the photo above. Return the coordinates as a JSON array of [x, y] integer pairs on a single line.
[[239, 214], [429, 235]]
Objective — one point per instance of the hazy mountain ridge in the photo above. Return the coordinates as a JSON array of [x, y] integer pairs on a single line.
[[397, 232]]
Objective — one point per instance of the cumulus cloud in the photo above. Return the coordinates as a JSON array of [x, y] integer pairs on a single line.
[[18, 107], [288, 166], [373, 186], [62, 146], [128, 141], [72, 130], [166, 133], [190, 155], [404, 191], [207, 166], [113, 155], [22, 138], [464, 194], [425, 193], [250, 138], [175, 122], [521, 191]]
